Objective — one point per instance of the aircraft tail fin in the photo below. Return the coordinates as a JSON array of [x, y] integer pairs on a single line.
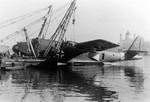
[[136, 44], [134, 49]]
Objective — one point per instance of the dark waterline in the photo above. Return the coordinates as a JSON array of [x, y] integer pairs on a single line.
[[122, 82]]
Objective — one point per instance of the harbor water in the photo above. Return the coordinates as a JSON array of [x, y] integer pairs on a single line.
[[121, 82]]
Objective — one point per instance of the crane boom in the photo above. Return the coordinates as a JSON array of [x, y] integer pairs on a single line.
[[27, 39], [30, 47], [44, 26], [57, 38]]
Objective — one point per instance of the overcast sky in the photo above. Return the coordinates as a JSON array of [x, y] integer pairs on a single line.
[[104, 19]]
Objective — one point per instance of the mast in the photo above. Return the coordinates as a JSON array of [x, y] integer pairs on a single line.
[[27, 39], [30, 47]]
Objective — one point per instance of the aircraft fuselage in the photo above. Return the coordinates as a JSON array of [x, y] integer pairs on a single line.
[[106, 56]]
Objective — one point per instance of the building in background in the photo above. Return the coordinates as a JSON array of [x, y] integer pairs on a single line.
[[125, 42]]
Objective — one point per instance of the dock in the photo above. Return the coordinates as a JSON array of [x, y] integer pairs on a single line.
[[15, 63]]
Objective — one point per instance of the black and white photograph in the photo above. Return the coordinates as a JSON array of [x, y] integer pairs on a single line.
[[74, 50]]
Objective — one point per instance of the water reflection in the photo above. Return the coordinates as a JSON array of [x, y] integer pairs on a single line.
[[125, 81], [135, 78], [73, 84]]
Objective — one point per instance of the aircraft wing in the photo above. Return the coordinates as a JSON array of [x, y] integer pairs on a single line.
[[88, 46], [97, 45]]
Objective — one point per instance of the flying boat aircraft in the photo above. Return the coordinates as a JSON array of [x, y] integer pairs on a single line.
[[106, 56]]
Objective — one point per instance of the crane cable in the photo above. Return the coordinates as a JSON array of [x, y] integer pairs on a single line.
[[13, 35], [18, 32], [30, 24], [3, 24], [27, 26], [61, 29], [35, 22], [20, 18], [52, 19]]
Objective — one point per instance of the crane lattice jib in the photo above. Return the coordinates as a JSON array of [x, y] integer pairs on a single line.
[[63, 31], [44, 27], [60, 31], [63, 27]]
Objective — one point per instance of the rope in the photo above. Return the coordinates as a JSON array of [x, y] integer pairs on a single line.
[[61, 29], [10, 36], [20, 18], [13, 35], [35, 22]]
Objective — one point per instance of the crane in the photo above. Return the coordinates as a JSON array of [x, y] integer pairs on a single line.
[[57, 38], [30, 46], [46, 23]]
